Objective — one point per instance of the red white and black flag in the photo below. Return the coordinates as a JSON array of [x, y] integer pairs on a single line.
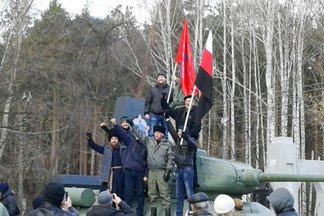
[[185, 59], [204, 80]]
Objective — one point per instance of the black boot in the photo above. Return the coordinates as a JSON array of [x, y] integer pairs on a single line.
[[154, 212], [167, 212]]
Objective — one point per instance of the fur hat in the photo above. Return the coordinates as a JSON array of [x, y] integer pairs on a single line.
[[159, 129], [112, 134], [105, 198], [54, 193]]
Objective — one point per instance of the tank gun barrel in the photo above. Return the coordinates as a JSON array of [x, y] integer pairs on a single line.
[[266, 177]]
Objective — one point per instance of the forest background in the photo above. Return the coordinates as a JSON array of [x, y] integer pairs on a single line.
[[60, 77]]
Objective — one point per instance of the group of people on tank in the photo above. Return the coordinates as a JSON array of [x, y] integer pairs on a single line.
[[132, 159]]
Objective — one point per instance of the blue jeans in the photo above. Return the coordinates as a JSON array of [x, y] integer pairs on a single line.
[[184, 186], [134, 179], [156, 119]]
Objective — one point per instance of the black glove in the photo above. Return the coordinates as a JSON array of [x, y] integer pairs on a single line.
[[130, 122], [167, 113], [185, 134], [166, 175], [164, 103], [89, 136]]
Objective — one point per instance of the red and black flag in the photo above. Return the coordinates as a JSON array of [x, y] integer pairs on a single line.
[[185, 59], [204, 81]]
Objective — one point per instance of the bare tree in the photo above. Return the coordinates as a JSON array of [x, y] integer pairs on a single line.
[[18, 22]]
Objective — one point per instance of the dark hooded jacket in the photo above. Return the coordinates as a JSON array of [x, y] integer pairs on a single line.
[[282, 202], [48, 209], [183, 154], [104, 210], [8, 199]]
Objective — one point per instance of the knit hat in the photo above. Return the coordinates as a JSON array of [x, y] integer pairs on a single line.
[[223, 204], [161, 74], [123, 118], [105, 198], [54, 193], [38, 201], [159, 129], [197, 198], [188, 96], [4, 187]]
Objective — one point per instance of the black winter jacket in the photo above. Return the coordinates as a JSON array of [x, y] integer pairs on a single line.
[[9, 201], [153, 99], [183, 154], [107, 210]]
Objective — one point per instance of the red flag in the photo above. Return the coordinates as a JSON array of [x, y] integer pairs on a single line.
[[204, 81], [185, 59]]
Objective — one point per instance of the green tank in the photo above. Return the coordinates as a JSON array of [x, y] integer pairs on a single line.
[[215, 176]]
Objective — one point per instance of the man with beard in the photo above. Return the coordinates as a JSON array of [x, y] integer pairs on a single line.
[[134, 166], [114, 155]]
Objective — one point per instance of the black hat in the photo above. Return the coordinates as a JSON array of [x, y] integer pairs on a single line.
[[188, 96], [4, 187], [54, 193], [161, 74], [38, 201], [198, 197], [159, 128], [112, 134], [123, 118]]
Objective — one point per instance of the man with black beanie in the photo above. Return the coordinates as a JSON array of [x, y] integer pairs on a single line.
[[112, 165], [54, 203]]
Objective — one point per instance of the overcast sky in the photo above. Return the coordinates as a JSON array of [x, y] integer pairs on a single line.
[[98, 8]]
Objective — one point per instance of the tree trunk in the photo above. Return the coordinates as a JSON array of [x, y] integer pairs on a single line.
[[224, 86], [233, 149]]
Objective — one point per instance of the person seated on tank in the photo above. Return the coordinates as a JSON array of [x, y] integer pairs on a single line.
[[199, 205], [55, 203], [105, 206], [282, 202], [224, 205]]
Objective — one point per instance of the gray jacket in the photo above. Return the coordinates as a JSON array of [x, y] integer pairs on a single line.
[[159, 156]]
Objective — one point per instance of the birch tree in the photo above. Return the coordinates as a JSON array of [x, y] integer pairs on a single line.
[[19, 20], [233, 86], [225, 118]]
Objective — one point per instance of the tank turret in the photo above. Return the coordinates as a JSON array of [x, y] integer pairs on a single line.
[[216, 176]]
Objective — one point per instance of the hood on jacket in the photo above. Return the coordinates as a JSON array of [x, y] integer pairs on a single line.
[[281, 200]]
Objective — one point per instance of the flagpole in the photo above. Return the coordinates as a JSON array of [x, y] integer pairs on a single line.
[[172, 81], [188, 112]]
